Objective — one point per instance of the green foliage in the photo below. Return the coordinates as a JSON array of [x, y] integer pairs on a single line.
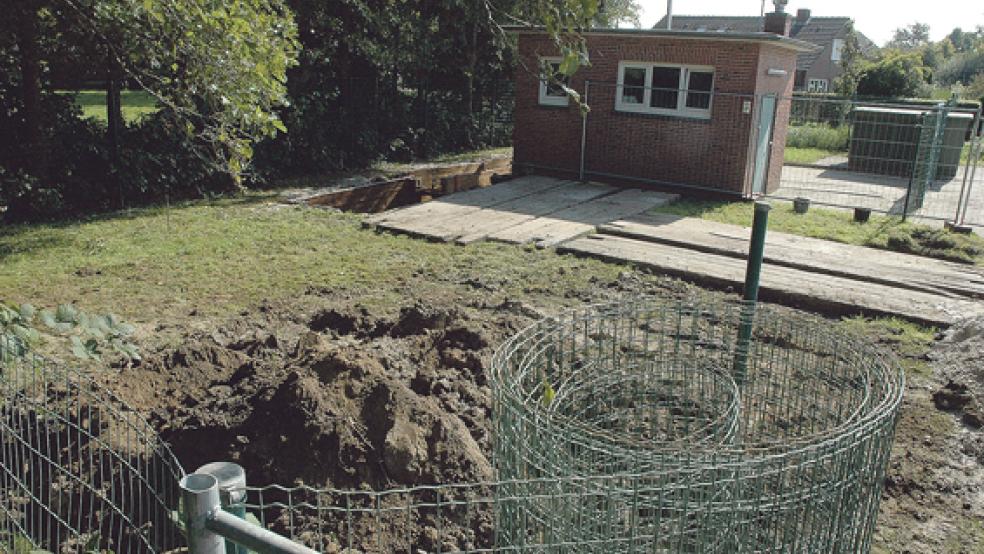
[[818, 135], [89, 336], [17, 333], [897, 74], [910, 37], [961, 68]]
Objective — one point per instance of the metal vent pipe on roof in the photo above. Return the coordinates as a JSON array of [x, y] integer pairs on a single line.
[[669, 14]]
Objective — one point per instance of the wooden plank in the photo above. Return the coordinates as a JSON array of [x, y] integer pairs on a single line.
[[490, 220], [822, 293], [819, 256], [465, 202], [574, 221], [372, 198]]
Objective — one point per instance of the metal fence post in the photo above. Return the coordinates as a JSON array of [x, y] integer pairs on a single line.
[[231, 478], [584, 127], [753, 272], [972, 154], [200, 499]]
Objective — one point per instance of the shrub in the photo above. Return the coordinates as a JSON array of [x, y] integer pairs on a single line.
[[818, 135]]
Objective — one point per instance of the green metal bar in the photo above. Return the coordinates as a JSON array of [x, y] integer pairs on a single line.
[[753, 272]]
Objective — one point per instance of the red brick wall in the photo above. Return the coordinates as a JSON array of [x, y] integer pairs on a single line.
[[776, 58], [709, 153]]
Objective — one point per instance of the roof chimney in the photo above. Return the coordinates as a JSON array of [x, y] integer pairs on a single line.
[[802, 16], [778, 22]]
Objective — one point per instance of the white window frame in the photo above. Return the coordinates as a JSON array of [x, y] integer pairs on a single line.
[[816, 85], [837, 50], [548, 99], [681, 110]]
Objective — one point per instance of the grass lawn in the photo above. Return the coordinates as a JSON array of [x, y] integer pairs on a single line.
[[219, 257], [807, 155], [889, 233], [136, 103]]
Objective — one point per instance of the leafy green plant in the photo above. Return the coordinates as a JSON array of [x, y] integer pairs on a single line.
[[17, 333], [90, 336]]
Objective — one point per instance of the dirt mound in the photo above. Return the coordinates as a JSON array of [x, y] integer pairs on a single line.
[[341, 398], [958, 359]]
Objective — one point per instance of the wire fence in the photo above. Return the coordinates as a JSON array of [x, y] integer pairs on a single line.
[[617, 428], [80, 471], [908, 159]]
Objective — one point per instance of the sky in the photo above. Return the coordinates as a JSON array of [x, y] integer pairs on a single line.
[[875, 18]]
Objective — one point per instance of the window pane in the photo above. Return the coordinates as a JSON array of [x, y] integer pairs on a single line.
[[666, 84], [699, 81], [553, 89], [633, 85]]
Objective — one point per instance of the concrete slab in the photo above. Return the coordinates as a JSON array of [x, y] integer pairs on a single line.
[[819, 292]]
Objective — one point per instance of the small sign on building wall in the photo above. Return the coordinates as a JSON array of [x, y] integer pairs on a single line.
[[746, 106]]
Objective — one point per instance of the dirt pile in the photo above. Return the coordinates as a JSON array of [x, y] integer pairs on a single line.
[[959, 360], [341, 398]]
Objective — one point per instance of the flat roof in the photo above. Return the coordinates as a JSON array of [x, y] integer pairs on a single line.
[[759, 37]]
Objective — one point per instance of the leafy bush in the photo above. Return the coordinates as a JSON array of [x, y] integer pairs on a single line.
[[818, 135], [895, 75]]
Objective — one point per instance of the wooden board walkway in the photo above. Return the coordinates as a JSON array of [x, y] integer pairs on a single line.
[[815, 255], [543, 210], [839, 289]]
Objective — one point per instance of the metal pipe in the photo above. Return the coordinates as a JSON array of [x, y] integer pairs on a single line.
[[753, 273], [251, 536], [231, 478], [957, 219], [669, 14], [200, 498], [584, 127]]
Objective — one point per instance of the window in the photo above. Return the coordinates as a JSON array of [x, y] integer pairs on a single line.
[[551, 94], [665, 89], [817, 85], [836, 49]]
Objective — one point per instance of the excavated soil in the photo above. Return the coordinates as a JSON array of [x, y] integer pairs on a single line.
[[325, 391]]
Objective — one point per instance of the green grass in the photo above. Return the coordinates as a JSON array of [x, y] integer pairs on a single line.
[[883, 232], [909, 341], [216, 258], [459, 157], [135, 104], [806, 155]]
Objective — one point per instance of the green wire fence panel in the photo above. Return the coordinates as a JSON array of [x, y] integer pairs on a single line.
[[618, 428], [79, 470]]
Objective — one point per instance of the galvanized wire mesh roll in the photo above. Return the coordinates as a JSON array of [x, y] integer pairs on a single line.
[[638, 405]]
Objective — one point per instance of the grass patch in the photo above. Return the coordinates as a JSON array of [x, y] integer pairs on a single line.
[[796, 155], [910, 341], [135, 104], [216, 258], [887, 233], [458, 157], [818, 135]]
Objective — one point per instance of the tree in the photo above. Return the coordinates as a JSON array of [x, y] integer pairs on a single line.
[[219, 69], [611, 13], [897, 74], [910, 37]]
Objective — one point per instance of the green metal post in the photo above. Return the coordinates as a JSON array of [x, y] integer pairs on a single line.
[[753, 272]]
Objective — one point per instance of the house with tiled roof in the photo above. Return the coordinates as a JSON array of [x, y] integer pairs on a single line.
[[815, 70]]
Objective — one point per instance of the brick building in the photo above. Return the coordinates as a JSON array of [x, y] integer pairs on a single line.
[[702, 110]]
